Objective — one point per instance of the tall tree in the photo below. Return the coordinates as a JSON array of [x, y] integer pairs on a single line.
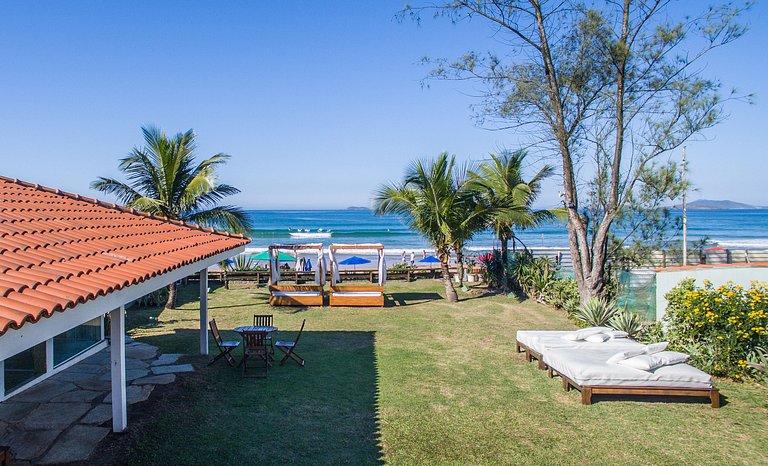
[[431, 200], [509, 197], [164, 179], [607, 87]]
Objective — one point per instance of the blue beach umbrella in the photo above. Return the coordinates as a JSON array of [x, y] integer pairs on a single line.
[[430, 260], [354, 261]]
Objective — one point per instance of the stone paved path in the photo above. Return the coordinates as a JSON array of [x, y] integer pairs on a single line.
[[63, 418]]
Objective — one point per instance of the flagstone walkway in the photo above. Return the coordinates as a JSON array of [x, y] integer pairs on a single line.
[[63, 418]]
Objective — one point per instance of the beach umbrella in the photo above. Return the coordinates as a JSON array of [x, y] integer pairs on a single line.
[[354, 261], [264, 256], [430, 260]]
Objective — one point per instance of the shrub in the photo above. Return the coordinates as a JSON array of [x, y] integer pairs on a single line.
[[399, 267], [720, 327], [627, 321], [492, 269], [596, 312], [533, 276], [562, 293]]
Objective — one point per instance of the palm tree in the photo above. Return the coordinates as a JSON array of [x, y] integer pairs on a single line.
[[164, 179], [471, 216], [431, 201], [509, 197]]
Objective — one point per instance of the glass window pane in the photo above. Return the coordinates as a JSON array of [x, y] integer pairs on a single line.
[[76, 340], [23, 367]]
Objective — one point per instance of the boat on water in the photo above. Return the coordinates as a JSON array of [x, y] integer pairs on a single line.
[[306, 233]]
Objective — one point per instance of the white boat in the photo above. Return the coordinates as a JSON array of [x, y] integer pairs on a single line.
[[306, 233]]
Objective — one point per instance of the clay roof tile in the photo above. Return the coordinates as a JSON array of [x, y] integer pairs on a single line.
[[59, 249]]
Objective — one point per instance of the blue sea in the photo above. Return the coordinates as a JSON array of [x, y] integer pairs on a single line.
[[734, 229]]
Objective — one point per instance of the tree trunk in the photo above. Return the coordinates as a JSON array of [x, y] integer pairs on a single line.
[[460, 266], [450, 291], [171, 304], [504, 239]]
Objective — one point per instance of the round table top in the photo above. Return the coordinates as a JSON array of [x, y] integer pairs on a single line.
[[256, 328]]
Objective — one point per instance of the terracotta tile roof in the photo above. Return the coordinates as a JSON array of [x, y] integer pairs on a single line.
[[59, 249]]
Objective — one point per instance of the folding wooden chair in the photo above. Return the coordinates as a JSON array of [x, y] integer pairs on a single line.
[[225, 347], [265, 320], [255, 346], [289, 348]]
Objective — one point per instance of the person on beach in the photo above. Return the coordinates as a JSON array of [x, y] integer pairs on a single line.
[[413, 258], [403, 258], [423, 253]]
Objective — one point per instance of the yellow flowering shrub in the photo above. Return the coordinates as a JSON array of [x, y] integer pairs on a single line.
[[718, 326]]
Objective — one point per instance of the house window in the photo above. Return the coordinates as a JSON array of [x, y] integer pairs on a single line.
[[24, 366], [76, 340]]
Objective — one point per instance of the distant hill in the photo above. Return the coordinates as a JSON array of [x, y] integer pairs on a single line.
[[708, 204], [357, 208]]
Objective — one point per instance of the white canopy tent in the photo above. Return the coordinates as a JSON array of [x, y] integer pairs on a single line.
[[295, 294], [357, 295]]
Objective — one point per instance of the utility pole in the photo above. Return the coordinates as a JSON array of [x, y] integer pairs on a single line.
[[685, 213]]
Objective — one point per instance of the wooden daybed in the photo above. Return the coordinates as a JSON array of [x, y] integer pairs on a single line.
[[357, 295], [285, 294], [583, 366]]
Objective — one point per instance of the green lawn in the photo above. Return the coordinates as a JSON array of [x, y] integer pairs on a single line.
[[421, 381]]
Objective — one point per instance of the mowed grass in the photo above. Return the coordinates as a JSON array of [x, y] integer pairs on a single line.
[[419, 382]]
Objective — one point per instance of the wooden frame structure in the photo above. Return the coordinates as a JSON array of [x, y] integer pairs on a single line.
[[295, 294], [357, 295], [587, 391]]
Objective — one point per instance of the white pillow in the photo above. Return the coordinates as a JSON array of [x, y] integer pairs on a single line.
[[671, 357], [625, 355], [597, 338], [644, 362], [649, 362], [585, 332], [617, 334], [656, 347]]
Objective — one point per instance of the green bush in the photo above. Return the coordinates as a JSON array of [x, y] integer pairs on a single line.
[[719, 327], [563, 293], [399, 267]]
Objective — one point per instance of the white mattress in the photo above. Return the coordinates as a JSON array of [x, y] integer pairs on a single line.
[[589, 367], [358, 294], [542, 341], [295, 293]]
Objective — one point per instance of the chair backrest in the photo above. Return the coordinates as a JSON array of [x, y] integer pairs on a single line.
[[262, 320], [296, 342], [254, 342], [215, 331]]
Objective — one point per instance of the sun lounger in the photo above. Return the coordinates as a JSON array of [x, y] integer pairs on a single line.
[[588, 371], [535, 342]]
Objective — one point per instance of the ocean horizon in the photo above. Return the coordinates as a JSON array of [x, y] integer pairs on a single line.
[[732, 229]]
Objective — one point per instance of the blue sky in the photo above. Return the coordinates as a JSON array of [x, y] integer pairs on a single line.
[[317, 102]]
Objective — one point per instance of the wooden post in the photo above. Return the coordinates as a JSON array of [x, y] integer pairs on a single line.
[[204, 311], [117, 347]]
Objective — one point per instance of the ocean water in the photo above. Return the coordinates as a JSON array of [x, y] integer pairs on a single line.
[[735, 229]]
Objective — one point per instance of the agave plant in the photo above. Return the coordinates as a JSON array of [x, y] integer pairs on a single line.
[[596, 312], [242, 263], [626, 321]]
